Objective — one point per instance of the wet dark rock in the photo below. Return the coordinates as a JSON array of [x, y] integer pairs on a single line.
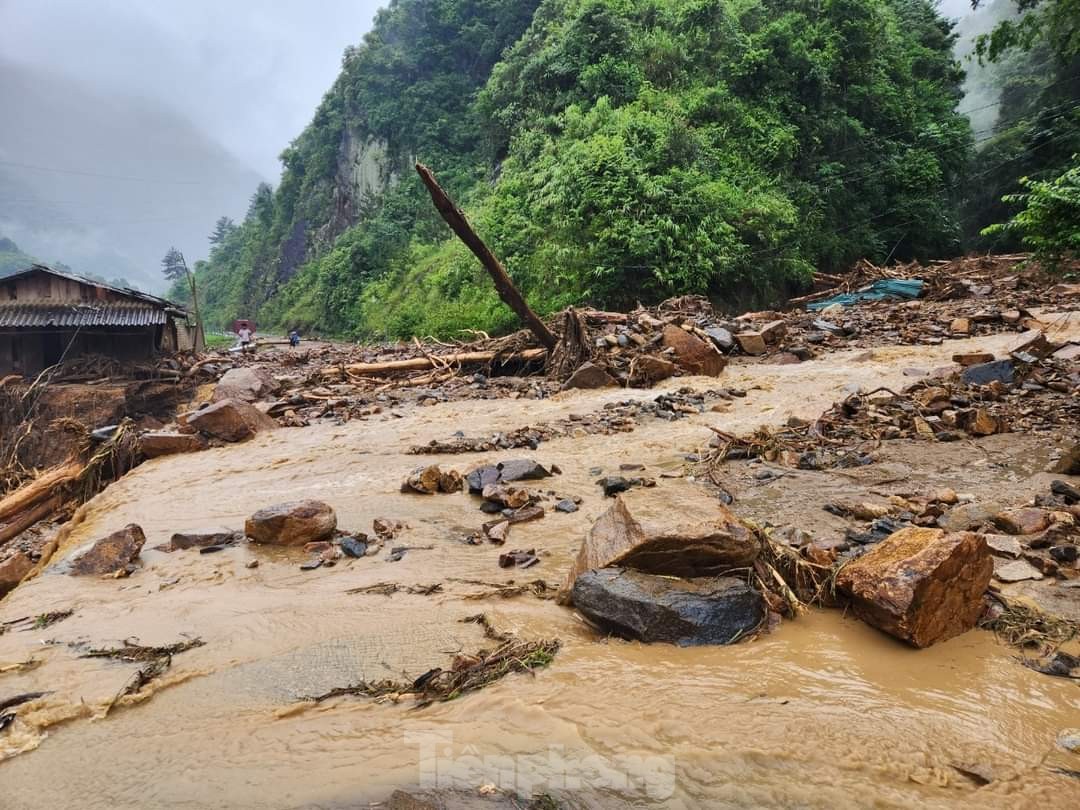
[[1065, 490], [491, 507], [311, 565], [650, 608], [353, 547], [292, 524], [1065, 554], [111, 554], [878, 531], [212, 549], [566, 505], [185, 540], [985, 373], [721, 338], [521, 469], [518, 559], [614, 484], [827, 326]]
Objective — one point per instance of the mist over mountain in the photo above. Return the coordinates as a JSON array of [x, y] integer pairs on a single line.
[[106, 182]]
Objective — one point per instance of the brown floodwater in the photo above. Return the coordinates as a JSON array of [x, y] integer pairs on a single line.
[[823, 712]]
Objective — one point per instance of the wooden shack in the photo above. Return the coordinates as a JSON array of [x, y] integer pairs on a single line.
[[47, 316]]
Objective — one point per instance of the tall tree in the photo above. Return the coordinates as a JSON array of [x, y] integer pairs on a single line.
[[174, 267], [222, 228]]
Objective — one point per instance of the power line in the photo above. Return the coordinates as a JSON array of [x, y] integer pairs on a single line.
[[79, 173]]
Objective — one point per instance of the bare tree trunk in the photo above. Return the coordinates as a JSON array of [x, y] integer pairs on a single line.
[[503, 284]]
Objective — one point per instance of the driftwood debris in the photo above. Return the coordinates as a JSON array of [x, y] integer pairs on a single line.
[[503, 284], [39, 489], [443, 361]]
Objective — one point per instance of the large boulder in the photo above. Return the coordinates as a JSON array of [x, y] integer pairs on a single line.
[[590, 375], [230, 420], [631, 604], [647, 369], [515, 469], [920, 585], [13, 569], [666, 531], [246, 384], [157, 443], [692, 353], [292, 524], [111, 554]]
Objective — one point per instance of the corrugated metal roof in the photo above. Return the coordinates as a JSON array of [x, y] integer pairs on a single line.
[[126, 291], [37, 316]]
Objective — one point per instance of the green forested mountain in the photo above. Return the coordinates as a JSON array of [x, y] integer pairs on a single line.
[[610, 151]]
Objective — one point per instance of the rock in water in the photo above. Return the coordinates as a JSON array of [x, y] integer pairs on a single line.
[[431, 479], [986, 373], [230, 420], [292, 524], [246, 383], [13, 569], [589, 375], [692, 353], [668, 532], [920, 585], [649, 369], [353, 547], [184, 540], [516, 469], [157, 444], [111, 554], [631, 604]]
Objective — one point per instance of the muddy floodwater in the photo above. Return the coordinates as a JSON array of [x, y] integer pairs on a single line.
[[823, 712]]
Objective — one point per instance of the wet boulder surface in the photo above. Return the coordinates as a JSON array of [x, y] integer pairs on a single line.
[[920, 585], [231, 420], [686, 612], [295, 523], [111, 554], [667, 532]]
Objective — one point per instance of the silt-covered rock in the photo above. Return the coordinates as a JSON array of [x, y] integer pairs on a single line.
[[920, 585]]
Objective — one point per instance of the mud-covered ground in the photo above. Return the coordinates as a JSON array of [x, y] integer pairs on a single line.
[[822, 712]]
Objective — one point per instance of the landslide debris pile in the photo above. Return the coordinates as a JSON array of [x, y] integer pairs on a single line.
[[1019, 393]]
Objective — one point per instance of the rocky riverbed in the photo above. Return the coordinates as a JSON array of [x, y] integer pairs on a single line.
[[190, 677]]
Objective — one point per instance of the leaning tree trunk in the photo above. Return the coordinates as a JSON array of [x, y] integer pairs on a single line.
[[503, 284]]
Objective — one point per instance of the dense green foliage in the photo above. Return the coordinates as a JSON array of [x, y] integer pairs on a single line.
[[1029, 158], [609, 151], [1048, 223]]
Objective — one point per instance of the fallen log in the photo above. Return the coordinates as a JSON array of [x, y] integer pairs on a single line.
[[503, 284], [26, 519], [42, 486], [424, 363]]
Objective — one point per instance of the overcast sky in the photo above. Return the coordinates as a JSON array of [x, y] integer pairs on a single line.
[[247, 72]]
